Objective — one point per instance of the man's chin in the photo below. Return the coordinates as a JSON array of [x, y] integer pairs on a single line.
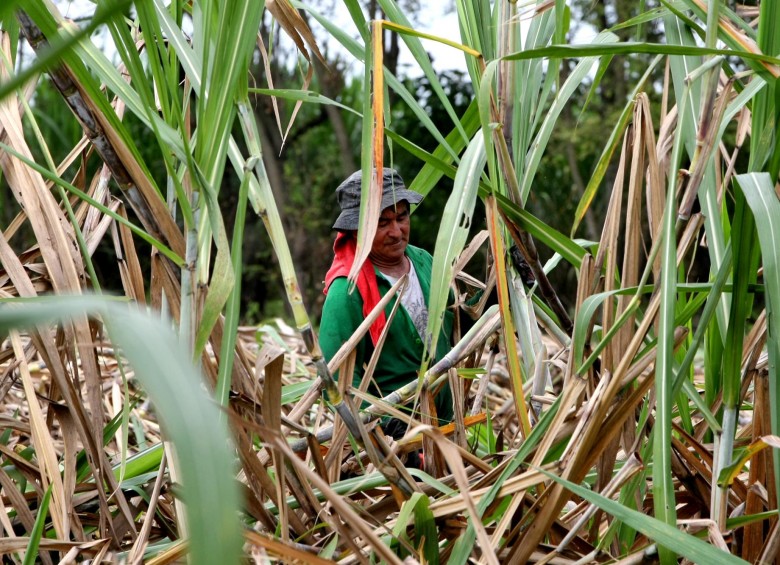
[[400, 250], [390, 253]]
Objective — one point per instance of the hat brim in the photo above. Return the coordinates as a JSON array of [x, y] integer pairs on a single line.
[[349, 219]]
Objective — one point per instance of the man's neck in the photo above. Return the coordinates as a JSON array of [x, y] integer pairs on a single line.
[[396, 270]]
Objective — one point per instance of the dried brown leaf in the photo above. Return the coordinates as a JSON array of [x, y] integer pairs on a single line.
[[295, 26]]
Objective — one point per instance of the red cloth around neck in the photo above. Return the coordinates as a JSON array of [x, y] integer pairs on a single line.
[[344, 249]]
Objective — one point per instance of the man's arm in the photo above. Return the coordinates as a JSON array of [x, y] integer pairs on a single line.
[[342, 313]]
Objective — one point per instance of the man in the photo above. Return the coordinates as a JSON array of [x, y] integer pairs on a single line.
[[390, 258]]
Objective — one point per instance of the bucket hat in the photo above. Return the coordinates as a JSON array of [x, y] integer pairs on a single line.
[[348, 195]]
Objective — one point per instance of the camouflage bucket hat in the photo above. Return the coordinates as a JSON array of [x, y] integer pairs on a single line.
[[348, 195]]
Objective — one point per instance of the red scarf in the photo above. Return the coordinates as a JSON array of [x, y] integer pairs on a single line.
[[344, 255]]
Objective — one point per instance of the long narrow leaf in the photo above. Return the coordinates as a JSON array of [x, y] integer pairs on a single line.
[[663, 534], [31, 553], [760, 196], [768, 63], [663, 486], [543, 137], [451, 239], [188, 414]]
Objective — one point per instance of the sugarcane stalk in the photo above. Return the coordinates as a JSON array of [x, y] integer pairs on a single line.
[[476, 406], [314, 391], [487, 325], [525, 243], [160, 226], [523, 239], [706, 134], [187, 300]]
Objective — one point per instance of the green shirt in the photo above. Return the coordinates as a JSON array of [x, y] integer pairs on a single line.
[[402, 353]]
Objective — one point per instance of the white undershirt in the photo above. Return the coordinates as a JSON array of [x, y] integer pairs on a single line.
[[413, 300]]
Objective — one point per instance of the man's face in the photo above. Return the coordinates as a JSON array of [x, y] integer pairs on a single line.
[[392, 234]]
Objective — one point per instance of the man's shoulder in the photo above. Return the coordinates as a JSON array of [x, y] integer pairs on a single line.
[[338, 287], [340, 303], [417, 253], [339, 295]]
